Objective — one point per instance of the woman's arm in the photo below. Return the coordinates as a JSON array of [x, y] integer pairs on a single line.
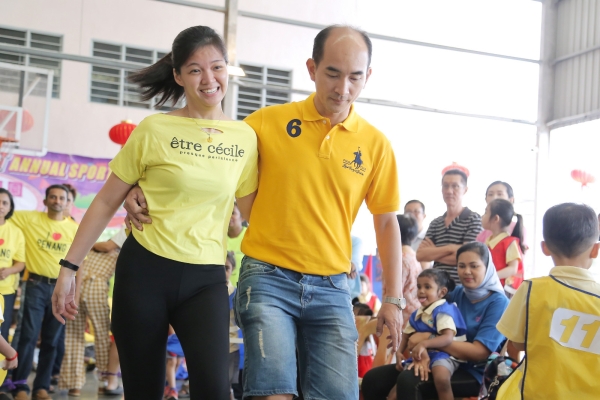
[[105, 205], [510, 270], [245, 205], [444, 339], [17, 267], [467, 351]]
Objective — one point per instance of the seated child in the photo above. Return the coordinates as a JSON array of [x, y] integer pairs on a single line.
[[442, 320], [367, 349], [234, 349], [555, 319]]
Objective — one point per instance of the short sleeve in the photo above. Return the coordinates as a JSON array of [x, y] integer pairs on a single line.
[[21, 218], [129, 164], [513, 252], [430, 230], [248, 182], [513, 321], [20, 246], [474, 228], [119, 237], [445, 321], [487, 334], [255, 121], [383, 195], [409, 329]]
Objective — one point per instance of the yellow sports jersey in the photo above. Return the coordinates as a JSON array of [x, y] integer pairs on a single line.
[[313, 179], [189, 183], [561, 330], [12, 248], [46, 240]]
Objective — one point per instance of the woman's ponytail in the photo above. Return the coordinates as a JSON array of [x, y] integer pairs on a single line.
[[157, 80]]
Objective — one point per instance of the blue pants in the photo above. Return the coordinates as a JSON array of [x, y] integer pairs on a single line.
[[9, 306], [37, 316], [282, 311]]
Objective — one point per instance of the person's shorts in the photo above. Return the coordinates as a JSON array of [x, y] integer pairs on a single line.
[[449, 363]]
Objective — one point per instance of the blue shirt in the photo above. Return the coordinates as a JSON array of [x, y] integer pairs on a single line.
[[481, 319]]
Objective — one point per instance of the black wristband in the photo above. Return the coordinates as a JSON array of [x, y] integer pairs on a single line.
[[69, 265]]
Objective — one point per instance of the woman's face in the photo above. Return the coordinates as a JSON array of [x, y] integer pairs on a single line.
[[204, 77], [471, 270], [4, 205], [228, 269], [497, 191], [428, 291]]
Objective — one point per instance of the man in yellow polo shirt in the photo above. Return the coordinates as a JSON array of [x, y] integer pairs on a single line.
[[48, 237], [319, 160]]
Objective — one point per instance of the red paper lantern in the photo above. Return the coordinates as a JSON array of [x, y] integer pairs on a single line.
[[456, 166], [121, 132], [11, 126], [582, 177]]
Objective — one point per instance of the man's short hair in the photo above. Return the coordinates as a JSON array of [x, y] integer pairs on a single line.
[[569, 229], [463, 176], [321, 38], [61, 187], [409, 228], [416, 201]]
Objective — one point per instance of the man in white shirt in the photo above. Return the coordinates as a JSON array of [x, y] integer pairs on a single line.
[[417, 209]]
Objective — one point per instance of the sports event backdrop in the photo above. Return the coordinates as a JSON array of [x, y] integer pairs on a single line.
[[27, 178]]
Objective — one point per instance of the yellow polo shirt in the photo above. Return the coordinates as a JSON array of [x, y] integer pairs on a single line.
[[189, 183], [12, 248], [46, 240], [313, 179]]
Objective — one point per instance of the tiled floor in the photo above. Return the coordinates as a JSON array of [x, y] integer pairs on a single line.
[[89, 392]]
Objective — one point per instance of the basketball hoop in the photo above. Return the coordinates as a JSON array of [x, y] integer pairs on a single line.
[[7, 145]]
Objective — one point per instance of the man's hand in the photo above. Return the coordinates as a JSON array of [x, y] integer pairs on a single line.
[[63, 298], [427, 242], [137, 209], [4, 274], [391, 316], [353, 272], [421, 367]]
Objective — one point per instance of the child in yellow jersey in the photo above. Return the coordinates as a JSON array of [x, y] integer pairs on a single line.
[[559, 324], [192, 164], [12, 257]]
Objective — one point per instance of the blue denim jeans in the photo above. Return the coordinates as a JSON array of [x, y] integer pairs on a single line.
[[282, 312], [37, 316], [9, 306]]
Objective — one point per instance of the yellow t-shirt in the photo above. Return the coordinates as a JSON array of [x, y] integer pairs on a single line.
[[313, 179], [12, 248], [189, 183], [46, 240]]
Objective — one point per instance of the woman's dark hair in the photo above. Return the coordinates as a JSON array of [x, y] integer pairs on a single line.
[[409, 228], [509, 189], [158, 79], [569, 229], [321, 38], [441, 278], [362, 309], [505, 211], [231, 259], [12, 203], [475, 247]]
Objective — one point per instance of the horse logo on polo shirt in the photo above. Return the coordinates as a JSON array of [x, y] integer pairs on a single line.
[[355, 165]]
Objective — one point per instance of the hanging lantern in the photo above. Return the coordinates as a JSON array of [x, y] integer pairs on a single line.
[[121, 132], [582, 177], [11, 126], [456, 166]]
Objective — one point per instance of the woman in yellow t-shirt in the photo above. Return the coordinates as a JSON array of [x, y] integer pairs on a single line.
[[12, 257], [191, 163]]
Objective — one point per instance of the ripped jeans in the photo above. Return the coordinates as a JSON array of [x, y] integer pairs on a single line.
[[282, 311]]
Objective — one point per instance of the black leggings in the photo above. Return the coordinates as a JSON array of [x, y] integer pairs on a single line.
[[152, 292], [378, 382]]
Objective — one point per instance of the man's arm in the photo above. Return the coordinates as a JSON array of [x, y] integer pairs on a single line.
[[387, 233], [428, 251], [245, 205], [137, 209]]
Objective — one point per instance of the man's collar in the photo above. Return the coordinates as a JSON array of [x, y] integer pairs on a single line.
[[310, 113], [464, 214]]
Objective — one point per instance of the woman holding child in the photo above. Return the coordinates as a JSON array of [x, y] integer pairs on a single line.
[[481, 301], [172, 271]]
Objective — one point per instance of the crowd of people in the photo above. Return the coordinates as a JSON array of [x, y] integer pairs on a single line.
[[191, 277]]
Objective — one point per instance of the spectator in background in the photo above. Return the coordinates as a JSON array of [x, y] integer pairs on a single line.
[[410, 266], [449, 232], [367, 296], [356, 267], [235, 234], [417, 209], [501, 190], [71, 197]]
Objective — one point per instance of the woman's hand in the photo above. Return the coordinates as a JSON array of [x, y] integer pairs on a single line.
[[63, 298], [421, 367], [417, 338]]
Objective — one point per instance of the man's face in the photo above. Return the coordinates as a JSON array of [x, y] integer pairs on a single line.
[[56, 200], [69, 205], [341, 74], [453, 190], [417, 211], [236, 218]]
